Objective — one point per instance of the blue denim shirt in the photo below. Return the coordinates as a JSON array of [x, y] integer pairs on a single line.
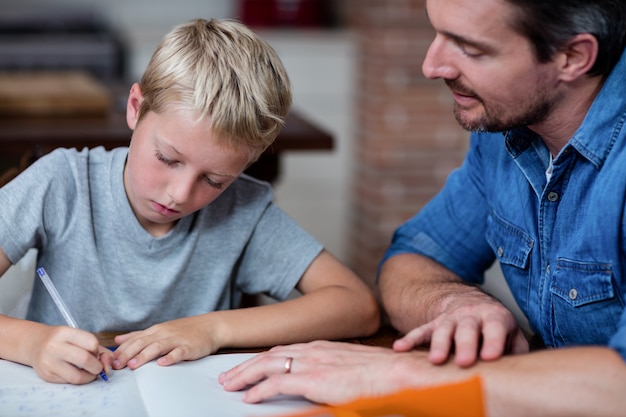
[[561, 244]]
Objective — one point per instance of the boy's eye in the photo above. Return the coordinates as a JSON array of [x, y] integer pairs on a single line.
[[163, 159], [216, 185], [159, 156]]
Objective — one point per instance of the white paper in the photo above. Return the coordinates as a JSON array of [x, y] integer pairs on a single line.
[[24, 393], [185, 389]]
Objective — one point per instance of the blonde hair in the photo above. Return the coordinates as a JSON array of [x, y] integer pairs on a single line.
[[220, 70]]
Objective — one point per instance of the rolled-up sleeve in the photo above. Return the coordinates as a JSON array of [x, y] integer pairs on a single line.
[[618, 340]]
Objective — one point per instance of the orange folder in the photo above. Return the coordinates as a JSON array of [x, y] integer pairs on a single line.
[[463, 399]]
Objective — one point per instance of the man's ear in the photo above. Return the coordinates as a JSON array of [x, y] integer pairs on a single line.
[[578, 56], [135, 98]]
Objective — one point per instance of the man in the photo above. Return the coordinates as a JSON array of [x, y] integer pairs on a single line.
[[543, 193]]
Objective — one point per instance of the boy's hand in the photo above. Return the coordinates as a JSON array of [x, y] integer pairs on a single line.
[[169, 342], [62, 354]]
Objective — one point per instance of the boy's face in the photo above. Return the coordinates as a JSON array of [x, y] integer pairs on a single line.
[[174, 166]]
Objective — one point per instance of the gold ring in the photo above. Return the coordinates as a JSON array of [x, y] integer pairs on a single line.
[[288, 363]]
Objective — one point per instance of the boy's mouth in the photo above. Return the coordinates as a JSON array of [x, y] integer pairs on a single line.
[[164, 210]]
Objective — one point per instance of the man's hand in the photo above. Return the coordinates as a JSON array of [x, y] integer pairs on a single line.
[[434, 306], [471, 324], [331, 372]]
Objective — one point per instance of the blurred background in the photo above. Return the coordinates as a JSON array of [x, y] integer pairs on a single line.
[[355, 66], [114, 40]]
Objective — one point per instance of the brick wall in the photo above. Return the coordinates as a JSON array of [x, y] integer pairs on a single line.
[[406, 139]]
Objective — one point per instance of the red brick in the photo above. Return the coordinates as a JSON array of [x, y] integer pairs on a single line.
[[406, 139]]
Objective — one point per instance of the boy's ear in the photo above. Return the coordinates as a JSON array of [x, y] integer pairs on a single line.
[[578, 56], [135, 98]]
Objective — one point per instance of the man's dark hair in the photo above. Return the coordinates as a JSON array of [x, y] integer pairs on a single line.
[[550, 24]]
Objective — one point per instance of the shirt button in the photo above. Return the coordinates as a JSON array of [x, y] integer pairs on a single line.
[[500, 252], [553, 196], [548, 269], [573, 294]]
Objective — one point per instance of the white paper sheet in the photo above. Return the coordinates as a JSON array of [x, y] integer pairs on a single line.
[[184, 389], [24, 393]]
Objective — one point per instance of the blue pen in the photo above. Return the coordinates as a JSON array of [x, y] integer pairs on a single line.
[[56, 297]]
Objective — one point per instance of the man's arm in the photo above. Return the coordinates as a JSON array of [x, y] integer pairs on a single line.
[[573, 382], [433, 305], [581, 381], [414, 289]]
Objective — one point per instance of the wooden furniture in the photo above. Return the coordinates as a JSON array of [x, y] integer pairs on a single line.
[[384, 337], [41, 111], [27, 138]]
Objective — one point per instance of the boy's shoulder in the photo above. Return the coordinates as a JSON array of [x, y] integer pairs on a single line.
[[246, 181], [71, 161], [247, 188], [88, 154]]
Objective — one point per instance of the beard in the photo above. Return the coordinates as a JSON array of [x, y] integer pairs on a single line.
[[500, 117]]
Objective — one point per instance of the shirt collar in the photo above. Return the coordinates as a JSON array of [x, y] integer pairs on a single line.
[[600, 128], [518, 140], [605, 119]]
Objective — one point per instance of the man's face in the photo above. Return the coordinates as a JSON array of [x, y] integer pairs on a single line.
[[496, 82], [174, 166]]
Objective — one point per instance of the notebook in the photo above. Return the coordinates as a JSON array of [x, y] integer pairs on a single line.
[[185, 389]]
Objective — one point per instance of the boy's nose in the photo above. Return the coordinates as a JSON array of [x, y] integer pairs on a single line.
[[180, 189]]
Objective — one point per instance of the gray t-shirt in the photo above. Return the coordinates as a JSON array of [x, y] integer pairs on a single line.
[[113, 275]]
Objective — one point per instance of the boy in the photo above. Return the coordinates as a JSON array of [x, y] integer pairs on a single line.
[[161, 238]]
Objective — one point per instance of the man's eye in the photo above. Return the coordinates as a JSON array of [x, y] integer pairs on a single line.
[[470, 51]]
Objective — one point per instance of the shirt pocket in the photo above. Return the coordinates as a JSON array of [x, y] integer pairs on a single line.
[[585, 306], [512, 247]]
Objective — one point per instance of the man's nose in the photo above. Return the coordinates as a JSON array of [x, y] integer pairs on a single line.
[[438, 62]]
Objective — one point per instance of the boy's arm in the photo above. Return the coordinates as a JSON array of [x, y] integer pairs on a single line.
[[5, 263], [335, 304], [57, 353]]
